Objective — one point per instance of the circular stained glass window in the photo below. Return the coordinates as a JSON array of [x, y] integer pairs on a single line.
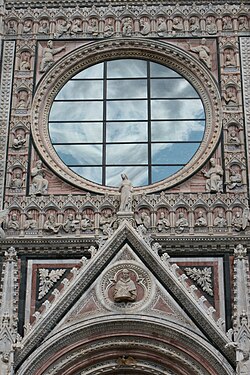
[[126, 116]]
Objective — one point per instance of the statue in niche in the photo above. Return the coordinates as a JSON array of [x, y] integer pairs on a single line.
[[229, 58], [203, 53], [51, 225], [230, 96], [17, 181], [181, 223], [3, 215], [12, 28], [144, 26], [125, 190], [92, 28], [243, 353], [163, 223], [233, 138], [214, 177], [243, 23], [39, 182], [44, 27], [237, 222], [161, 26], [125, 288], [109, 29], [13, 222], [127, 27], [177, 25], [76, 26], [86, 223], [62, 28], [235, 179], [194, 25], [143, 222], [211, 27], [106, 224], [18, 141], [70, 224], [48, 56], [25, 61], [227, 23], [220, 221], [201, 221], [22, 99], [30, 222], [27, 26]]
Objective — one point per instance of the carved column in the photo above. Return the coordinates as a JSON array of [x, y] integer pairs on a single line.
[[9, 338]]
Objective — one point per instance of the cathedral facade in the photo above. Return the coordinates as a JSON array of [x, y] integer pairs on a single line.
[[124, 187]]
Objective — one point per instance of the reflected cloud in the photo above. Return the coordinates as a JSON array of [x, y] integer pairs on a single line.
[[95, 71], [127, 154], [126, 68], [173, 153], [127, 132], [70, 132], [80, 154], [127, 110], [76, 111], [77, 90], [172, 88], [90, 173], [137, 175], [158, 70], [178, 130], [127, 89], [177, 109]]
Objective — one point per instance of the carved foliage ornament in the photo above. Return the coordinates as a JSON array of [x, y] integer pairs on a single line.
[[202, 277], [167, 54], [47, 279]]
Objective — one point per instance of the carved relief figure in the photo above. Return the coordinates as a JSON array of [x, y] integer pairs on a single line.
[[227, 23], [143, 222], [13, 222], [86, 223], [229, 58], [233, 138], [235, 178], [211, 27], [230, 96], [51, 225], [3, 215], [44, 27], [27, 26], [18, 141], [237, 222], [70, 224], [181, 223], [92, 27], [144, 26], [201, 221], [25, 61], [203, 52], [109, 28], [76, 26], [22, 99], [194, 25], [125, 189], [125, 288], [39, 182], [30, 222], [17, 181], [220, 221], [161, 26], [106, 224], [127, 27], [177, 25], [62, 28], [163, 223], [214, 177], [48, 56], [243, 23], [12, 27]]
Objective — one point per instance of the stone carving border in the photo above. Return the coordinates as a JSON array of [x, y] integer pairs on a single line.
[[5, 100], [159, 52]]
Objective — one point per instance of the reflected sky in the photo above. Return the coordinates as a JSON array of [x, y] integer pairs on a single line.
[[109, 103]]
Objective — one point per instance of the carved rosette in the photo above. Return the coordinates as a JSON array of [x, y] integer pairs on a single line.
[[143, 284]]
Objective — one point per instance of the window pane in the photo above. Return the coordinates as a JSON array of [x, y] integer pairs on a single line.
[[127, 154], [172, 88], [81, 90], [90, 173], [126, 68], [76, 111], [178, 130], [177, 109], [127, 110], [95, 71], [127, 132], [158, 70], [126, 89], [80, 154], [137, 175], [71, 132], [161, 172], [173, 153]]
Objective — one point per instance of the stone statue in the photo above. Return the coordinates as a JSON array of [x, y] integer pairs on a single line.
[[17, 181], [18, 141], [51, 225], [177, 25], [181, 223], [233, 138], [163, 223], [235, 179], [200, 221], [13, 222], [108, 29], [27, 26], [203, 53], [214, 177], [3, 215], [125, 189], [230, 96], [30, 223], [76, 26], [39, 182], [62, 28], [92, 28], [144, 27], [161, 26], [143, 222], [227, 23], [237, 221], [125, 288], [211, 27], [243, 23], [48, 56], [44, 27], [127, 27], [106, 224], [86, 223], [22, 99], [229, 58], [70, 224], [194, 25], [220, 221], [25, 61]]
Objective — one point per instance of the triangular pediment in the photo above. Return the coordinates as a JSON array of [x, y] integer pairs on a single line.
[[161, 291]]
